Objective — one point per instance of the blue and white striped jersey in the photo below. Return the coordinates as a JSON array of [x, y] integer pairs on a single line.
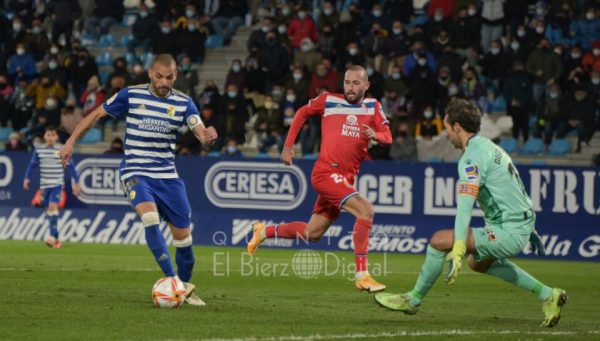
[[152, 127], [52, 173]]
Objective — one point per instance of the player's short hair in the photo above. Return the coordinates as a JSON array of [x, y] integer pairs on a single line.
[[50, 128], [465, 113], [164, 59], [360, 69]]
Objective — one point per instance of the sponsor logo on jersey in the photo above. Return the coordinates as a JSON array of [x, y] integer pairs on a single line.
[[350, 127], [255, 185], [472, 173]]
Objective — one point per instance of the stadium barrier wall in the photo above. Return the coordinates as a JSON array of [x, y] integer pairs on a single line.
[[411, 200]]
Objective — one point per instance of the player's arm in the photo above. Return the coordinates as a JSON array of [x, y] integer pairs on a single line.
[[67, 150], [33, 163], [314, 107], [115, 106], [468, 190], [381, 133], [206, 135]]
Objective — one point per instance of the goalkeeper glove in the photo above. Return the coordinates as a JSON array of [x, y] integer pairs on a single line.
[[454, 259], [536, 244]]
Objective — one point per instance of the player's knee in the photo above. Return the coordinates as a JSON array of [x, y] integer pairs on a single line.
[[184, 242], [440, 242], [366, 211], [150, 219]]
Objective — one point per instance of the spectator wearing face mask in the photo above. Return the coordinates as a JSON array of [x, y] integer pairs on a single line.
[[376, 79], [552, 114], [422, 83], [580, 115], [275, 62], [404, 145], [21, 65], [63, 13], [329, 16], [259, 36], [54, 70], [233, 110], [190, 41], [81, 68], [300, 83], [429, 121], [586, 28], [591, 60], [37, 41], [189, 15], [43, 90], [187, 77], [255, 81], [518, 93], [327, 42], [302, 26], [143, 30], [375, 16], [92, 97], [232, 150], [236, 75], [494, 65], [492, 15], [15, 36], [515, 52], [139, 75], [470, 86], [165, 40], [228, 17], [268, 124], [352, 55], [395, 83], [22, 106], [419, 56], [545, 67], [398, 43], [120, 70], [308, 57]]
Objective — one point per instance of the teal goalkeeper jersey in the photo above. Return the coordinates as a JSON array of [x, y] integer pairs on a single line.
[[487, 174]]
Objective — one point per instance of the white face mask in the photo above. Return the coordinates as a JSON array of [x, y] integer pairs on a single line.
[[236, 68], [539, 29], [453, 90], [495, 50], [370, 71], [397, 31], [231, 94], [305, 47], [17, 27], [20, 51], [285, 11], [191, 27], [189, 13], [428, 114], [520, 34], [297, 76], [540, 12], [558, 51], [514, 45], [377, 13], [553, 95], [438, 18], [301, 14], [282, 29], [165, 30], [596, 52], [353, 51], [589, 16], [595, 81], [54, 50], [328, 11], [265, 29], [422, 61], [575, 55], [472, 11], [290, 98], [395, 76], [52, 65]]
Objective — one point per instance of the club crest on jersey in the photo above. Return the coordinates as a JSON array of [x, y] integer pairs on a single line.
[[131, 195], [171, 111], [350, 127], [472, 173]]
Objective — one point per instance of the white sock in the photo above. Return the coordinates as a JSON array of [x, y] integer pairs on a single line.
[[361, 274]]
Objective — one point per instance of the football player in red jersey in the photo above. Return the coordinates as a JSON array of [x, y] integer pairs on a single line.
[[348, 122]]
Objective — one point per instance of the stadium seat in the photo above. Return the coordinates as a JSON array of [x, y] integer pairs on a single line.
[[262, 155], [214, 154], [87, 40], [107, 40], [559, 147], [94, 135], [213, 41], [103, 75], [146, 58], [509, 144], [533, 146], [312, 156], [499, 105], [130, 58], [128, 20], [104, 58], [4, 133], [435, 159], [538, 163], [125, 39]]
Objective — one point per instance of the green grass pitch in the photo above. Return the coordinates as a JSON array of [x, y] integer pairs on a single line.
[[102, 292]]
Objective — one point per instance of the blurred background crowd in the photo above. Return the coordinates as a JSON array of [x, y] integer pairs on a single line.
[[533, 67]]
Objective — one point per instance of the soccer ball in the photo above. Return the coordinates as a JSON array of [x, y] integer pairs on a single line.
[[168, 292]]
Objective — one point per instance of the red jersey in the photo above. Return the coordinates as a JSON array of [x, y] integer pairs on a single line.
[[343, 140]]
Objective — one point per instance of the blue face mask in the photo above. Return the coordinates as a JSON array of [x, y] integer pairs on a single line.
[[189, 14], [191, 28], [231, 149], [36, 30]]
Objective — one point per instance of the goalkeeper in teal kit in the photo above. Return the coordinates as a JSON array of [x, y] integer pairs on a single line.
[[486, 174]]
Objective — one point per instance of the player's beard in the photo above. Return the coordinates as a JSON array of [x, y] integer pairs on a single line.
[[162, 91], [358, 96]]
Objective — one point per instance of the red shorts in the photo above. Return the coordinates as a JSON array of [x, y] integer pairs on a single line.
[[333, 189]]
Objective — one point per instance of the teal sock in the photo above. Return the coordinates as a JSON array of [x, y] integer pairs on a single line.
[[430, 271], [511, 273]]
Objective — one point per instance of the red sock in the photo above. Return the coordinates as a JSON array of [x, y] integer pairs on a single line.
[[293, 230], [360, 237]]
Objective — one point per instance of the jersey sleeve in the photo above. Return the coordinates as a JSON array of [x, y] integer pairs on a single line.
[[316, 106], [380, 118], [469, 180], [32, 164], [73, 170], [192, 116], [118, 104]]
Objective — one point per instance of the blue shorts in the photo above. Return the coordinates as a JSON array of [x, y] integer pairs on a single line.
[[169, 195], [51, 195]]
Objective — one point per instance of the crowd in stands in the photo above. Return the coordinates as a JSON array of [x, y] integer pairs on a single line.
[[533, 67]]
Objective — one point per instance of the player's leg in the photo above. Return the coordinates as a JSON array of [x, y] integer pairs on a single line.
[[50, 199], [439, 245], [155, 240], [172, 202], [495, 246], [311, 231]]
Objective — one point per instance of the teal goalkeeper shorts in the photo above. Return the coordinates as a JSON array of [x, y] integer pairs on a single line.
[[498, 243]]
